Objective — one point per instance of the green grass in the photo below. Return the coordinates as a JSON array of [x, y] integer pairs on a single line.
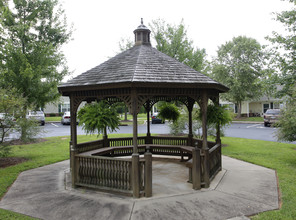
[[257, 119], [278, 156], [50, 119], [141, 119]]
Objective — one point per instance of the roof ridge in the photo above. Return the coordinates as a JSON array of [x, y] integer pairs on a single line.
[[136, 66]]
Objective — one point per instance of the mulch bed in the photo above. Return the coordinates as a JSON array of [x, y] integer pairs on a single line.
[[10, 161]]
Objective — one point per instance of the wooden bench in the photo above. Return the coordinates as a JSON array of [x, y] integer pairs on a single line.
[[153, 148]]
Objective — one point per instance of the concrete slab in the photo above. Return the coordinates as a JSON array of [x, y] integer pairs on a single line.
[[240, 190]]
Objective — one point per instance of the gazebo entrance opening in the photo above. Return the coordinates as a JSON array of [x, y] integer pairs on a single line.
[[142, 76]]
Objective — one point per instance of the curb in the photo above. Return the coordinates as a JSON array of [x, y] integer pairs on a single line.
[[247, 122]]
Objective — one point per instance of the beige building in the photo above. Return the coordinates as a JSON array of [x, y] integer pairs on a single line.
[[258, 107], [63, 105]]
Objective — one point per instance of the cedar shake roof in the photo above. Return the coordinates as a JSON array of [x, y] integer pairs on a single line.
[[142, 64]]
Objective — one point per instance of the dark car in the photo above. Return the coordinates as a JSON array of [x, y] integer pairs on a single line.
[[271, 116], [156, 120]]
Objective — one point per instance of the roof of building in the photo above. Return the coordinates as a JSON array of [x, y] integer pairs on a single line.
[[142, 64]]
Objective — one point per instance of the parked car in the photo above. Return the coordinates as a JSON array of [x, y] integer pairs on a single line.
[[66, 118], [271, 116], [156, 120], [37, 115], [6, 120]]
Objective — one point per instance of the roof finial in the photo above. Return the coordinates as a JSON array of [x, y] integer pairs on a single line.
[[141, 20]]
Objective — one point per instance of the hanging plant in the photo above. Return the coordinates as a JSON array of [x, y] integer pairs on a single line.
[[169, 111], [98, 117]]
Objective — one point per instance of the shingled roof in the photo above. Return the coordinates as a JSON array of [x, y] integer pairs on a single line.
[[142, 64]]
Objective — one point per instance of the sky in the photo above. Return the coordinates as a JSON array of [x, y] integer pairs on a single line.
[[99, 25]]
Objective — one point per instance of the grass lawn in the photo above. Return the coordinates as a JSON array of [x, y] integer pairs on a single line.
[[274, 155], [50, 119], [257, 119], [141, 119], [278, 156]]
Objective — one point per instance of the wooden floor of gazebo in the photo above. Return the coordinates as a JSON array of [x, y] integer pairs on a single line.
[[100, 164]]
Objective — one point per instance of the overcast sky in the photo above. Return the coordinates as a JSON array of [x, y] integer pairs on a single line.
[[99, 25]]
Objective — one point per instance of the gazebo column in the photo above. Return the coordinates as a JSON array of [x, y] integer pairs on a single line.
[[135, 155], [73, 142], [190, 132], [218, 135], [205, 149], [148, 109]]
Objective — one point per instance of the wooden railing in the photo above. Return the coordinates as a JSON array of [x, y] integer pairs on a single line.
[[215, 162], [95, 171], [102, 170], [115, 142], [88, 146], [169, 140], [108, 173]]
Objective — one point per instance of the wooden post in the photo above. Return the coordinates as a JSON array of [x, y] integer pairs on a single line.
[[135, 155], [196, 169], [205, 149], [73, 142], [148, 174], [136, 175], [148, 138], [190, 134], [218, 135], [218, 138]]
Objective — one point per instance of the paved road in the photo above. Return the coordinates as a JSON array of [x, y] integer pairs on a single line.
[[241, 130]]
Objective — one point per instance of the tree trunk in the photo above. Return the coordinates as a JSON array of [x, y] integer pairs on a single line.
[[239, 109]]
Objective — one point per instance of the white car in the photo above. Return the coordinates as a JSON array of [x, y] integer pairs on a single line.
[[66, 118], [37, 115], [6, 120]]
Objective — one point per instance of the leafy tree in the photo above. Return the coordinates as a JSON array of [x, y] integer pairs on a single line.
[[97, 117], [31, 40], [239, 65], [286, 60], [173, 41], [10, 103], [287, 121]]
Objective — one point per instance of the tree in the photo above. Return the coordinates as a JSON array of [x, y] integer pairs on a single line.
[[32, 61], [286, 60], [97, 117], [239, 65], [31, 40], [173, 41], [287, 121], [287, 66], [10, 103]]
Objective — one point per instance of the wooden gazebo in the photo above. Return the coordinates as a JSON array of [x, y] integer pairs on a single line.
[[141, 76]]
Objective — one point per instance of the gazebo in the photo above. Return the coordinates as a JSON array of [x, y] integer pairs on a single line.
[[141, 76]]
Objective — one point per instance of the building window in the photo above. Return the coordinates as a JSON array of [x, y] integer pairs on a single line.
[[265, 107], [64, 108]]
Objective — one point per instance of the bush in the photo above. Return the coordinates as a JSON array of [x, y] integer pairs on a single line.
[[28, 128]]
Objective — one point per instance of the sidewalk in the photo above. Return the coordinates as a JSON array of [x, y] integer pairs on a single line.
[[240, 189]]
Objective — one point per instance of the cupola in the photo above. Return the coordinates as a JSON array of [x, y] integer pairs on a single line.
[[142, 35]]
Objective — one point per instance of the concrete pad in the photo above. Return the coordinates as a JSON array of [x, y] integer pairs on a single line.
[[240, 189]]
